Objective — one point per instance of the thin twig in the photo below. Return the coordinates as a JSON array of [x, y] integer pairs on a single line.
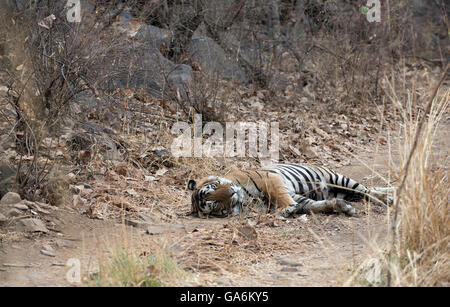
[[408, 163]]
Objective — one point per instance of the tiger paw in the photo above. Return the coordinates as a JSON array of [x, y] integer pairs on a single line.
[[288, 212], [345, 207]]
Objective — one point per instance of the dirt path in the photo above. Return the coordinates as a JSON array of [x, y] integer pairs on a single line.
[[319, 247], [307, 251]]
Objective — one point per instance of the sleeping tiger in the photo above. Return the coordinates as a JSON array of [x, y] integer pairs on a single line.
[[291, 188]]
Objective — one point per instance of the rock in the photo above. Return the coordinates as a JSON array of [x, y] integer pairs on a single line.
[[14, 212], [10, 198], [220, 13], [161, 152], [64, 243], [48, 247], [7, 178], [154, 36], [84, 185], [136, 223], [224, 282], [147, 218], [288, 262], [289, 269], [48, 253], [163, 228], [48, 250], [151, 71], [180, 77], [31, 225], [21, 206], [142, 32], [3, 219], [212, 58]]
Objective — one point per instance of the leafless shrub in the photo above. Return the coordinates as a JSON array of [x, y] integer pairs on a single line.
[[417, 255], [50, 63]]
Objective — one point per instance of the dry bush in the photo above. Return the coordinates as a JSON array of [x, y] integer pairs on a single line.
[[57, 189], [419, 256], [349, 55], [129, 262], [50, 62]]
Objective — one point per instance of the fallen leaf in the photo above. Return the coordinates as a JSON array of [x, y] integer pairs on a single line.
[[161, 171]]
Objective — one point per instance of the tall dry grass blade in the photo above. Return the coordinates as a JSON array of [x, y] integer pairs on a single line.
[[407, 166]]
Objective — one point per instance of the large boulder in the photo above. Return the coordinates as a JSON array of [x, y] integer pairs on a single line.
[[7, 179], [212, 58], [10, 198], [142, 32], [144, 67]]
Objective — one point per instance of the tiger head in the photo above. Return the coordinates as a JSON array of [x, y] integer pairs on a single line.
[[215, 196]]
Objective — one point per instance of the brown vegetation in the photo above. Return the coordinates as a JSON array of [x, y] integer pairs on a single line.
[[87, 109]]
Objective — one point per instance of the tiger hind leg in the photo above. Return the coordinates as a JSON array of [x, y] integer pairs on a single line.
[[304, 205], [385, 194], [380, 196]]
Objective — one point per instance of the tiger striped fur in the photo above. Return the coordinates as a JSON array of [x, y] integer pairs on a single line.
[[291, 188]]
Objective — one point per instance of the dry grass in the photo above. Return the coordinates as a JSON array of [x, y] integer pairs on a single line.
[[127, 261], [420, 252]]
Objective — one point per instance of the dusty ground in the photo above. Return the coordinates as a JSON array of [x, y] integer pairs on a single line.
[[257, 250], [305, 251], [314, 251]]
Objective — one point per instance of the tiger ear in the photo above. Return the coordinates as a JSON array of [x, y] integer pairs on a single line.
[[192, 184]]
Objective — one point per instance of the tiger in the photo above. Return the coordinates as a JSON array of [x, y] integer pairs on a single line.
[[290, 188]]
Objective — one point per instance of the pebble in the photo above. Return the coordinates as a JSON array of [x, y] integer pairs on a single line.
[[64, 243], [48, 250], [48, 247], [48, 253], [288, 262], [224, 282], [136, 223], [289, 269]]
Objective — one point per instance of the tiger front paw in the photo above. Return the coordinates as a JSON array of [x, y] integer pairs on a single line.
[[289, 211]]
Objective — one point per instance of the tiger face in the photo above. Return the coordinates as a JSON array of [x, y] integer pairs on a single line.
[[215, 196]]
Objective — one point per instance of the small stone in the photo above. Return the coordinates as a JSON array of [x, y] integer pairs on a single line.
[[48, 253], [10, 198], [163, 228], [161, 152], [48, 250], [64, 243], [48, 247], [136, 223], [224, 282], [289, 269], [58, 264], [146, 217], [303, 218], [32, 225], [288, 262]]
